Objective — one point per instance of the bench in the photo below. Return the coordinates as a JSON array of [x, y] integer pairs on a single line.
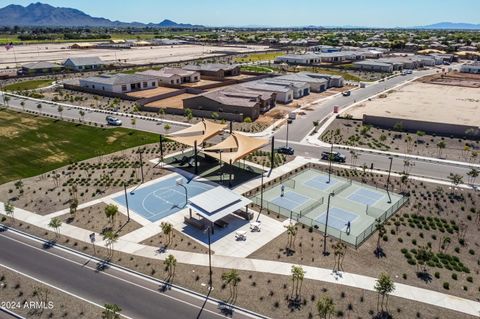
[[244, 214], [194, 222], [221, 223]]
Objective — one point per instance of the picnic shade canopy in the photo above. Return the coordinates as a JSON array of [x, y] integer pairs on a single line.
[[199, 133], [235, 147], [217, 203]]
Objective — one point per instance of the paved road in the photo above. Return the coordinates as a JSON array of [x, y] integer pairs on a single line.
[[137, 297], [90, 116]]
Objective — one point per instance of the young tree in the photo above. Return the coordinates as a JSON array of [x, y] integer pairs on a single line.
[[110, 238], [167, 127], [60, 110], [339, 252], [291, 234], [188, 114], [9, 209], [384, 287], [167, 229], [298, 274], [111, 311], [133, 121], [170, 263], [82, 115], [55, 223], [19, 186], [441, 146], [325, 306], [111, 211], [380, 227], [231, 278], [473, 174]]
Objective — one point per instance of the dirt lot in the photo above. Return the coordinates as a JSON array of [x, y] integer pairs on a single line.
[[152, 92], [136, 55], [174, 101], [425, 102], [94, 219], [454, 78], [200, 83], [93, 178], [178, 242], [354, 133], [15, 290], [445, 219]]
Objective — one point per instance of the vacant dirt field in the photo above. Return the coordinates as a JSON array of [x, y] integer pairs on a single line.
[[454, 78], [136, 55], [425, 102], [152, 92]]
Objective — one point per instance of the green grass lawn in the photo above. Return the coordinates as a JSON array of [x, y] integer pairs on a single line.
[[254, 68], [255, 57], [34, 145], [28, 85]]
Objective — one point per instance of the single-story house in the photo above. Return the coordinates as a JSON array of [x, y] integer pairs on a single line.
[[471, 68], [283, 93], [298, 59], [341, 56], [336, 81], [300, 89], [84, 63], [235, 100], [83, 45], [40, 68], [316, 84], [173, 75], [374, 66], [119, 83], [216, 70]]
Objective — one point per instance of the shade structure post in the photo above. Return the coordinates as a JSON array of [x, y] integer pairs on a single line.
[[272, 155], [195, 157], [161, 147], [231, 127]]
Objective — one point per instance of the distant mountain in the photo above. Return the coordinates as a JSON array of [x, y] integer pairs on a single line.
[[39, 14], [451, 26]]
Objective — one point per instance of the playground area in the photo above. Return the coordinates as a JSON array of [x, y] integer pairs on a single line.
[[352, 207]]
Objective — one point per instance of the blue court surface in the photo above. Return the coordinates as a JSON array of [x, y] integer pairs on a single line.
[[337, 218], [365, 196], [163, 198], [320, 182], [290, 200]]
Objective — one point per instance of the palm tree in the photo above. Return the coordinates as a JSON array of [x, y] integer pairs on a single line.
[[325, 306], [473, 174], [404, 179], [384, 286], [298, 274], [167, 229], [110, 238], [55, 223], [441, 145], [82, 115], [170, 262], [339, 251], [111, 211], [291, 234], [9, 209], [60, 110], [381, 232], [231, 278], [111, 311]]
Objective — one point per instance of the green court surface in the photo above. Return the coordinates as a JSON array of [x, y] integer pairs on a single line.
[[353, 204]]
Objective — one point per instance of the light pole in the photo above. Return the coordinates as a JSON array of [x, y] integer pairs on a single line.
[[330, 157], [126, 200], [289, 121], [388, 179], [208, 230], [141, 163], [179, 182], [261, 193], [325, 252]]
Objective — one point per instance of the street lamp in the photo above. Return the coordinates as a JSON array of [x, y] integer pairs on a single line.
[[325, 252], [261, 193], [289, 121], [126, 200], [209, 258], [179, 182], [388, 178], [141, 163]]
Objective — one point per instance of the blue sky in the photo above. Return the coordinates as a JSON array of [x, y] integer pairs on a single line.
[[375, 13]]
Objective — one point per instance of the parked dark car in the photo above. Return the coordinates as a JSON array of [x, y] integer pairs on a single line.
[[346, 93], [336, 157], [286, 150]]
